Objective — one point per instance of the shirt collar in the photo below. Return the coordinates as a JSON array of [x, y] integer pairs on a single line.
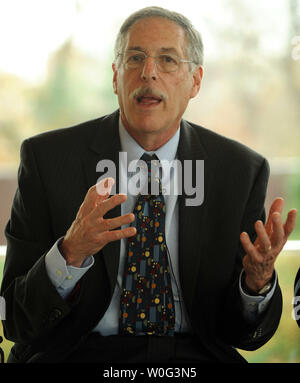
[[135, 151]]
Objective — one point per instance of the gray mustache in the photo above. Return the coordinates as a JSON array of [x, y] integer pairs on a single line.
[[142, 91]]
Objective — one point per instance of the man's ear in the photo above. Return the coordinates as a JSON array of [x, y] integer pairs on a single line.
[[115, 84], [197, 79]]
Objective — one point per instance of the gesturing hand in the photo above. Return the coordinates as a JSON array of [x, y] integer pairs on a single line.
[[260, 257], [90, 232]]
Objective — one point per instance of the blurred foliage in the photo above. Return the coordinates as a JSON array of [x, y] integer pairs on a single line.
[[76, 88], [293, 201], [70, 89], [248, 93], [284, 346]]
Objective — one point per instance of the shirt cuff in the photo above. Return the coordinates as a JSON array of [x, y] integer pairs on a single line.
[[64, 277], [255, 305]]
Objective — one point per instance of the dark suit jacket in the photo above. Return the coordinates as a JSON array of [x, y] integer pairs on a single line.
[[56, 170]]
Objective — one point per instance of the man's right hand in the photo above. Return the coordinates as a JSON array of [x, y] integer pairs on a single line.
[[90, 232]]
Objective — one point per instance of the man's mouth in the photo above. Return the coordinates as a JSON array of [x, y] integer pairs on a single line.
[[148, 100]]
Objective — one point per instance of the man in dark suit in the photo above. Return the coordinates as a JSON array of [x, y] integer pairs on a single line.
[[67, 243]]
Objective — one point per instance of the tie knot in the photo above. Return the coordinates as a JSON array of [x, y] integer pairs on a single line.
[[154, 173], [148, 158]]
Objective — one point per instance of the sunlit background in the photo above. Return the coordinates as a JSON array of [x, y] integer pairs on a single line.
[[55, 71]]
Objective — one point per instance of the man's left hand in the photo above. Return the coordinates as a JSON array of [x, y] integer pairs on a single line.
[[261, 255]]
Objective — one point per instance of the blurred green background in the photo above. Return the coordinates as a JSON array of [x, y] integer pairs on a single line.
[[55, 71]]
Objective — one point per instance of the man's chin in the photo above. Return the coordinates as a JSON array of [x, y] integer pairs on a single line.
[[147, 127]]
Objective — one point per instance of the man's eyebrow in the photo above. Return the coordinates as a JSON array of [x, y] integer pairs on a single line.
[[136, 48], [169, 50]]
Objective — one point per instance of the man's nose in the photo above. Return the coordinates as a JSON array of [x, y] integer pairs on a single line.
[[149, 69]]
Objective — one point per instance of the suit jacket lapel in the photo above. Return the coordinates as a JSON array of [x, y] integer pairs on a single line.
[[191, 218], [105, 145]]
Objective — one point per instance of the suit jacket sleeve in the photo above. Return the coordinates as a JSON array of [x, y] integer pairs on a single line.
[[33, 305]]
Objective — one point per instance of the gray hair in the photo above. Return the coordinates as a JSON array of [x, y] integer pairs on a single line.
[[194, 49]]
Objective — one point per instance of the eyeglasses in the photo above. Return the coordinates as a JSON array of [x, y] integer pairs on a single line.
[[164, 62]]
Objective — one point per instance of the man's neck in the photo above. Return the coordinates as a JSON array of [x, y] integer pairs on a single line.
[[153, 140]]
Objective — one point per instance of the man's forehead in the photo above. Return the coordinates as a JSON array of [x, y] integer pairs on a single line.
[[156, 33]]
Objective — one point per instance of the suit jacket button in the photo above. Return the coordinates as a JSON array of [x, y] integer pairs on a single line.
[[55, 314]]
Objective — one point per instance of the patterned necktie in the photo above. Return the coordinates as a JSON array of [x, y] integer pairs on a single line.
[[147, 304]]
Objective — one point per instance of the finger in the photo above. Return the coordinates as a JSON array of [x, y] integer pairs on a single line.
[[249, 248], [88, 203], [263, 239], [102, 208], [104, 186], [277, 237], [88, 206], [290, 223], [113, 223], [277, 206], [115, 235]]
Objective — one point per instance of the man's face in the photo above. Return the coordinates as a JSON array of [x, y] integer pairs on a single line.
[[155, 118]]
